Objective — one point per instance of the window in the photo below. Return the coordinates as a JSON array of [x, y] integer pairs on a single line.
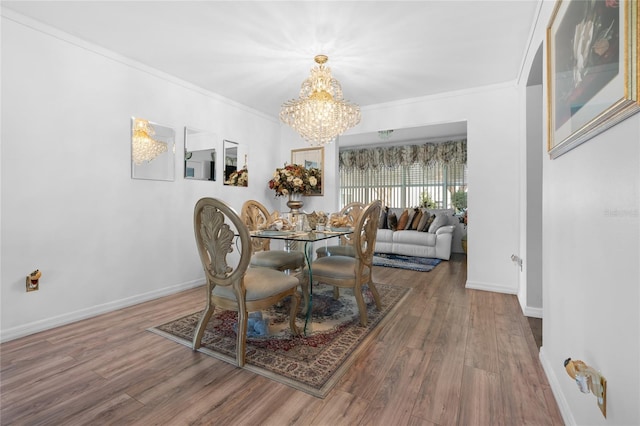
[[404, 186], [409, 180]]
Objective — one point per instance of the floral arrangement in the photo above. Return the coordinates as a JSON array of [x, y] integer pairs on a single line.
[[239, 178], [295, 179]]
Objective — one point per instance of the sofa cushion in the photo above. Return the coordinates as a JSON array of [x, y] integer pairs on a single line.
[[416, 219], [428, 223], [449, 213], [383, 224], [423, 220], [392, 221], [411, 215], [440, 220], [384, 235], [403, 219], [414, 237]]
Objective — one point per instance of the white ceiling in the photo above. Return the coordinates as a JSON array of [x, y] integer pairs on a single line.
[[258, 53]]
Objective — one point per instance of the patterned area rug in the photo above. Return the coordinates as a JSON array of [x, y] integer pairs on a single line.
[[313, 362], [422, 264]]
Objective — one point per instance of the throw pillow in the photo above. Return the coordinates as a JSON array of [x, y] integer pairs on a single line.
[[416, 220], [428, 223], [383, 223], [423, 220], [392, 219], [438, 222], [410, 215], [402, 220]]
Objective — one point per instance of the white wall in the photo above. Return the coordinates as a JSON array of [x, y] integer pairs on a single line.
[[531, 244], [69, 206], [591, 274], [58, 90], [492, 129]]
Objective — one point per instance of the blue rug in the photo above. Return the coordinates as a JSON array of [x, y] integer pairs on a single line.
[[422, 264]]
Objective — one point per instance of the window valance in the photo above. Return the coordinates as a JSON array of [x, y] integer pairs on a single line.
[[394, 156]]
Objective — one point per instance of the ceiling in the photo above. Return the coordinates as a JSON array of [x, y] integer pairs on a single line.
[[258, 53]]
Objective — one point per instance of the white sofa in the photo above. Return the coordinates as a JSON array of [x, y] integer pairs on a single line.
[[434, 243]]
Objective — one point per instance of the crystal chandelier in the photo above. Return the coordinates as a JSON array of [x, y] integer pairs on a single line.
[[321, 113], [143, 146]]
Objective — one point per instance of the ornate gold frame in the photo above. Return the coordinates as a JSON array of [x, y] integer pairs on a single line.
[[313, 156], [614, 101]]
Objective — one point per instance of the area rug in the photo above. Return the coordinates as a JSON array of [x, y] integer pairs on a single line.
[[313, 362], [422, 264]]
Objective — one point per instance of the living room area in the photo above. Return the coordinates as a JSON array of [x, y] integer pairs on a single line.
[[111, 247]]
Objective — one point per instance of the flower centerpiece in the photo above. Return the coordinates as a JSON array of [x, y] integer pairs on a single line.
[[239, 178], [295, 179]]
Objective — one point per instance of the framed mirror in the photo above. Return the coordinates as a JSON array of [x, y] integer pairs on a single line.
[[311, 159], [235, 164], [199, 154], [153, 150]]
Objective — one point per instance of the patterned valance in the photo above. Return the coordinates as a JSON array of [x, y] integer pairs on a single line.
[[394, 156]]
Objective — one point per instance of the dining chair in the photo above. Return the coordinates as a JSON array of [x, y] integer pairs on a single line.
[[233, 285], [354, 272], [256, 216], [345, 247]]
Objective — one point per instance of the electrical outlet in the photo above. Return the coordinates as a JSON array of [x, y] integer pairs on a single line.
[[33, 280], [602, 400], [516, 259]]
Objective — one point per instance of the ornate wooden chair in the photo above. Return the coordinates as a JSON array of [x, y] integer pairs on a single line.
[[256, 216], [235, 286], [345, 248], [354, 272]]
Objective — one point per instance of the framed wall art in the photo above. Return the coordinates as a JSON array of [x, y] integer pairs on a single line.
[[592, 69], [311, 158]]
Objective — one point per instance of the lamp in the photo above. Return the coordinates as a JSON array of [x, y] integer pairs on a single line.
[[320, 114], [143, 146]]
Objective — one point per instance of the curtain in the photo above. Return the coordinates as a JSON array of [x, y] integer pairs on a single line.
[[427, 154]]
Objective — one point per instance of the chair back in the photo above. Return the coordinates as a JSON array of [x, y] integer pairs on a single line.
[[216, 225], [364, 234], [353, 211], [256, 216]]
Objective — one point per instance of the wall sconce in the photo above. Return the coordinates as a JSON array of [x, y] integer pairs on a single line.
[[588, 380]]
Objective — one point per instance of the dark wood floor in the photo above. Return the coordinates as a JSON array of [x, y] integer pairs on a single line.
[[452, 356]]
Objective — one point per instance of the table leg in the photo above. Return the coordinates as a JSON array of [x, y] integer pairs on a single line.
[[307, 257]]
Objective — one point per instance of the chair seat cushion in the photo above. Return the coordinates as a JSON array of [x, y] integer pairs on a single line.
[[278, 259], [336, 251], [337, 267], [260, 284]]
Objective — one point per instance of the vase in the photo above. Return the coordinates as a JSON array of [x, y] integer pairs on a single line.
[[295, 202]]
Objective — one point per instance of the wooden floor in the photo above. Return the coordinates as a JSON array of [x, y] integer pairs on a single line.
[[451, 357]]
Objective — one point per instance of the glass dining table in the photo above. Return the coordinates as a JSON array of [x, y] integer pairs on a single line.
[[308, 238]]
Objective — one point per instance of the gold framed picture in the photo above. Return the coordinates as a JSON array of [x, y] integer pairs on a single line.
[[592, 69], [311, 159]]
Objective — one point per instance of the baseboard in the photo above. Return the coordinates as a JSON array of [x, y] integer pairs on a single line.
[[563, 405], [49, 323], [532, 312], [475, 285]]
